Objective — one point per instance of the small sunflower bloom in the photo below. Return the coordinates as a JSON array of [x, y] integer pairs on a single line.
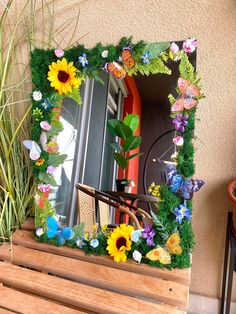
[[119, 242], [62, 76]]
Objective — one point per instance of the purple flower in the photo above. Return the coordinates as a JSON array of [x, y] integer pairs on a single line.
[[51, 169], [83, 60], [182, 212], [174, 47], [180, 122], [148, 234]]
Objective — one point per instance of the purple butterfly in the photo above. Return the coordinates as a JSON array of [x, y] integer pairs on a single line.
[[179, 184]]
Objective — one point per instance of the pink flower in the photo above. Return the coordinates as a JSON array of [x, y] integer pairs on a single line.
[[51, 169], [174, 47], [44, 187], [178, 140], [45, 126], [59, 53], [190, 45]]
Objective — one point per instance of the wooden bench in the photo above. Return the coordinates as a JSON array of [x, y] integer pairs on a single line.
[[64, 280]]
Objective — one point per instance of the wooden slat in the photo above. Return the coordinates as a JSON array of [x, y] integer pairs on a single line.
[[26, 239], [28, 224], [21, 302], [98, 275], [78, 295]]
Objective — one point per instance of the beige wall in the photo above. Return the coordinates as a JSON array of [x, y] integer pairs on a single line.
[[213, 23]]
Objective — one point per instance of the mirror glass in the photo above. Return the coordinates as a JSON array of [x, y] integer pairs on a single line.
[[85, 136]]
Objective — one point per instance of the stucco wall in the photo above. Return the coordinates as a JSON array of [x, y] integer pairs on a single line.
[[213, 23]]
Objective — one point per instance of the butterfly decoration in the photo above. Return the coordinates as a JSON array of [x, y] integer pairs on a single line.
[[187, 100], [54, 229], [179, 184], [35, 150], [118, 68], [163, 255]]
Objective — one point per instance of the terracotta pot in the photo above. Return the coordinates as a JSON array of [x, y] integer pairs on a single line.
[[232, 197]]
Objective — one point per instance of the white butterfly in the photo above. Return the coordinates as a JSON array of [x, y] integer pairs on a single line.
[[34, 148]]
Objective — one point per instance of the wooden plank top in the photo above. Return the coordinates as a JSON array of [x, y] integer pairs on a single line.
[[24, 303], [78, 295], [26, 239], [100, 276]]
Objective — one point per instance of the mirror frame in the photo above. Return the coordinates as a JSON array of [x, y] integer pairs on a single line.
[[174, 209]]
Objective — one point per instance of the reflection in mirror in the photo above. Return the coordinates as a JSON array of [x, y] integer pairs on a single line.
[[85, 136]]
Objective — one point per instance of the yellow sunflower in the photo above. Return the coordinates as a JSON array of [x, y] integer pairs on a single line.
[[119, 242], [62, 76]]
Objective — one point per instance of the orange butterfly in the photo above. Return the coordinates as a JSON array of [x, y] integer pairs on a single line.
[[118, 69], [164, 255], [126, 57], [188, 100]]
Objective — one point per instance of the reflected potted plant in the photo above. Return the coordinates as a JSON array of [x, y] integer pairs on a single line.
[[124, 130], [232, 196]]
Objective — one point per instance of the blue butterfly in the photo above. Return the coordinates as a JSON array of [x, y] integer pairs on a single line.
[[54, 229], [179, 184]]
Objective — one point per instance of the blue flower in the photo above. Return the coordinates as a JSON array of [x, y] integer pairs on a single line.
[[45, 104], [135, 235], [94, 243], [83, 60], [146, 57], [80, 242], [182, 212]]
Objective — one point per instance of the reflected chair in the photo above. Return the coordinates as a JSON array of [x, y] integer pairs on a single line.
[[94, 208]]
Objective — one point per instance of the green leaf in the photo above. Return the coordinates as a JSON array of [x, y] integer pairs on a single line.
[[56, 159], [57, 127], [47, 178], [132, 121], [155, 49], [116, 146], [171, 99], [132, 143], [186, 69], [134, 155], [122, 161], [75, 95], [159, 227], [78, 230], [123, 130], [111, 125]]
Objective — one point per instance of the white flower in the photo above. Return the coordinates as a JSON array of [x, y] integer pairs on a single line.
[[37, 95], [174, 47], [178, 140], [105, 53], [135, 235], [39, 232], [137, 256]]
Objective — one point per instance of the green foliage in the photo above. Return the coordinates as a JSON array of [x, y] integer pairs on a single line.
[[186, 69], [156, 66], [78, 231], [47, 178], [125, 130], [57, 127], [56, 159], [155, 49]]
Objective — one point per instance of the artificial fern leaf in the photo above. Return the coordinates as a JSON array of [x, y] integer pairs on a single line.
[[171, 99], [159, 227], [186, 69]]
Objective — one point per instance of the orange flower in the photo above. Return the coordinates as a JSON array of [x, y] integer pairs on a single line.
[[39, 162]]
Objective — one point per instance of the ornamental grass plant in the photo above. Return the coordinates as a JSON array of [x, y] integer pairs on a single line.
[[21, 25]]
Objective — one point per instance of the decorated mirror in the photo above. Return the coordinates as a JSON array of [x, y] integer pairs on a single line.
[[116, 112]]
